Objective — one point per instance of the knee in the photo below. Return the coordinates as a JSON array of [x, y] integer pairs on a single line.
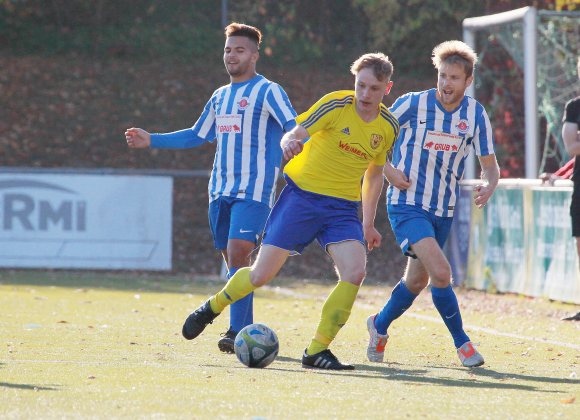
[[238, 257], [416, 284], [441, 276], [355, 276], [259, 277]]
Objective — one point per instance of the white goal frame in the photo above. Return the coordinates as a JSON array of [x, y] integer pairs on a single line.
[[529, 17]]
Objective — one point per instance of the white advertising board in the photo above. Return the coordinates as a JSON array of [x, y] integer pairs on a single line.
[[85, 221]]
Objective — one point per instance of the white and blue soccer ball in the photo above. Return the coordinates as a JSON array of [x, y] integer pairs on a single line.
[[256, 345]]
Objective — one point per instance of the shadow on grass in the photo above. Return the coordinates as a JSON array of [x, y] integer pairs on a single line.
[[27, 387], [129, 280], [398, 372], [505, 376]]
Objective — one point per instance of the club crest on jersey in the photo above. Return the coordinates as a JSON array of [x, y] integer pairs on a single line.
[[376, 140], [243, 103], [345, 131], [462, 126]]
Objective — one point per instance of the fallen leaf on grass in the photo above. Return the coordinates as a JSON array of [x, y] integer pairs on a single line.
[[568, 400]]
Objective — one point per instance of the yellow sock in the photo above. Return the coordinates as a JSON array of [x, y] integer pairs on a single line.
[[236, 288], [335, 313]]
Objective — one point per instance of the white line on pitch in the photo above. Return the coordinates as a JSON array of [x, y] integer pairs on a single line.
[[496, 332], [491, 331]]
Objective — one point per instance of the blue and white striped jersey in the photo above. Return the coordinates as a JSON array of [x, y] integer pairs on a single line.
[[247, 119], [432, 147]]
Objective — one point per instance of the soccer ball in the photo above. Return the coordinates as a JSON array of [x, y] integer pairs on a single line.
[[256, 345]]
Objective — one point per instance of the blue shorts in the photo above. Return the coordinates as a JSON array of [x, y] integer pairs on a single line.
[[235, 218], [410, 224], [299, 217]]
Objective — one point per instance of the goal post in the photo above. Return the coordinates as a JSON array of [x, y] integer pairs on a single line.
[[528, 15], [526, 73]]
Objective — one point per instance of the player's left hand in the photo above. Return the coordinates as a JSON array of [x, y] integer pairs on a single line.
[[481, 194], [291, 148], [373, 238]]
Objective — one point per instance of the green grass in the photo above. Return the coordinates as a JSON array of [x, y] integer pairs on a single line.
[[91, 345]]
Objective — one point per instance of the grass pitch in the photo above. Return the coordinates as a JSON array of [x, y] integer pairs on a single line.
[[90, 345]]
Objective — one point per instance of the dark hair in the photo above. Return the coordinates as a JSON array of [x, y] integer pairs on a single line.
[[241, 29]]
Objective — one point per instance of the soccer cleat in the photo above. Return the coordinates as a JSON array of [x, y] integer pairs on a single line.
[[197, 321], [572, 317], [323, 360], [377, 342], [226, 343], [469, 356]]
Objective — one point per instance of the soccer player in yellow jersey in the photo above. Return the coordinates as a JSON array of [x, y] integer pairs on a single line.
[[350, 134]]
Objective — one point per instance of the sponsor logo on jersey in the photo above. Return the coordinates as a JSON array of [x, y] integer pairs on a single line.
[[441, 147], [376, 140], [352, 150], [345, 131], [442, 142], [231, 123]]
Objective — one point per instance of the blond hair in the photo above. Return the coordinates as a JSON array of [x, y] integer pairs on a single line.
[[455, 52], [378, 62]]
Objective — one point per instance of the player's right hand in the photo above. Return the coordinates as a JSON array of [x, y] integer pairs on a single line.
[[373, 238], [137, 138]]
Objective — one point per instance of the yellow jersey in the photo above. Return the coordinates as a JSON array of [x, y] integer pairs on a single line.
[[341, 146]]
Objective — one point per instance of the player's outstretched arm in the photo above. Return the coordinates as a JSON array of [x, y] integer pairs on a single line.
[[137, 138], [292, 142], [490, 178]]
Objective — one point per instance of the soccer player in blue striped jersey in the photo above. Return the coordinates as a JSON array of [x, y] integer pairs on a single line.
[[439, 127], [247, 119]]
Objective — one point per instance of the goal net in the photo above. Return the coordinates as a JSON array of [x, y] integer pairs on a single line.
[[526, 74]]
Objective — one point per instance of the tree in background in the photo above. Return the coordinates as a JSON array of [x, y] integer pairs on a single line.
[[301, 32]]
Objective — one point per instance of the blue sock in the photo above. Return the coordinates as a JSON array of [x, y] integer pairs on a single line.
[[401, 300], [446, 303], [241, 311]]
